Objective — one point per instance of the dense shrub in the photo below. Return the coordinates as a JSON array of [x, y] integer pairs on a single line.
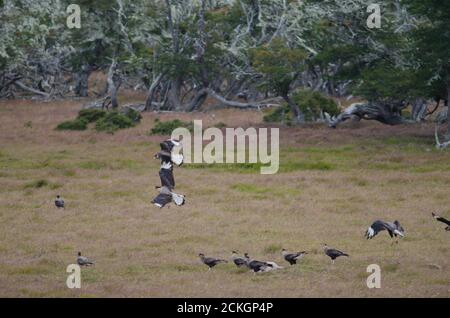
[[166, 128], [91, 115], [134, 115], [113, 121], [77, 124], [278, 115], [105, 121], [312, 104]]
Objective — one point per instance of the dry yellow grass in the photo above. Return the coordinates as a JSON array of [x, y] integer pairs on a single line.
[[107, 181]]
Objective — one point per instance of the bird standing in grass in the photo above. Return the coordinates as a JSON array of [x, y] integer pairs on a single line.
[[84, 261], [211, 261], [59, 202], [292, 258], [237, 260], [443, 220], [393, 228], [333, 253], [168, 159], [257, 266]]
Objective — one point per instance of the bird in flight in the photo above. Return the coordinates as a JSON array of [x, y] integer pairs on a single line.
[[333, 253], [292, 258], [167, 153], [211, 261], [84, 261], [59, 202], [168, 159], [393, 228], [443, 220]]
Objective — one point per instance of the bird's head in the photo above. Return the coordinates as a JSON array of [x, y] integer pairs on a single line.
[[399, 226], [79, 253], [234, 252], [324, 246], [58, 196], [201, 255], [246, 255]]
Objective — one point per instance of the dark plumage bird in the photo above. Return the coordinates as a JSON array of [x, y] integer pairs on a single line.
[[211, 261], [166, 194], [333, 253], [237, 260], [257, 266], [167, 154], [292, 258], [59, 202], [443, 220], [393, 228], [83, 261]]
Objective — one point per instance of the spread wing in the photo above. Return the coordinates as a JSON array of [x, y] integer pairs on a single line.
[[161, 200], [167, 180]]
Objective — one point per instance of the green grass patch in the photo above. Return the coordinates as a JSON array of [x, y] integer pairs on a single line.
[[249, 188], [93, 165], [37, 184], [306, 165], [272, 248], [30, 270]]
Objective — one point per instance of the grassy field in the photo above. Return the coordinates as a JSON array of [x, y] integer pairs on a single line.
[[332, 184]]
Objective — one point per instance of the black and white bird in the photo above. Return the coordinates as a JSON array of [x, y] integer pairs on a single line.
[[167, 153], [84, 261], [257, 266], [166, 194], [443, 220], [272, 266], [292, 258], [237, 260], [211, 261], [333, 253], [59, 202], [393, 228]]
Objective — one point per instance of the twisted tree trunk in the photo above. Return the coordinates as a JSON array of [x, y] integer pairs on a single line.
[[386, 114]]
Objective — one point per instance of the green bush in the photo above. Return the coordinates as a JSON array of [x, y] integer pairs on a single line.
[[166, 128], [77, 124], [313, 103], [310, 103], [134, 115], [278, 115], [113, 121], [91, 115]]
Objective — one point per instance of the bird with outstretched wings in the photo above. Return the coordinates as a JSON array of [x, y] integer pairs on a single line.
[[166, 194], [393, 228]]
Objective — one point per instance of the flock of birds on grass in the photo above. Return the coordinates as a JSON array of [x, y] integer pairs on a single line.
[[169, 158]]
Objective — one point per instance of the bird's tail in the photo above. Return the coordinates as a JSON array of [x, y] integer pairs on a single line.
[[223, 261], [344, 254]]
